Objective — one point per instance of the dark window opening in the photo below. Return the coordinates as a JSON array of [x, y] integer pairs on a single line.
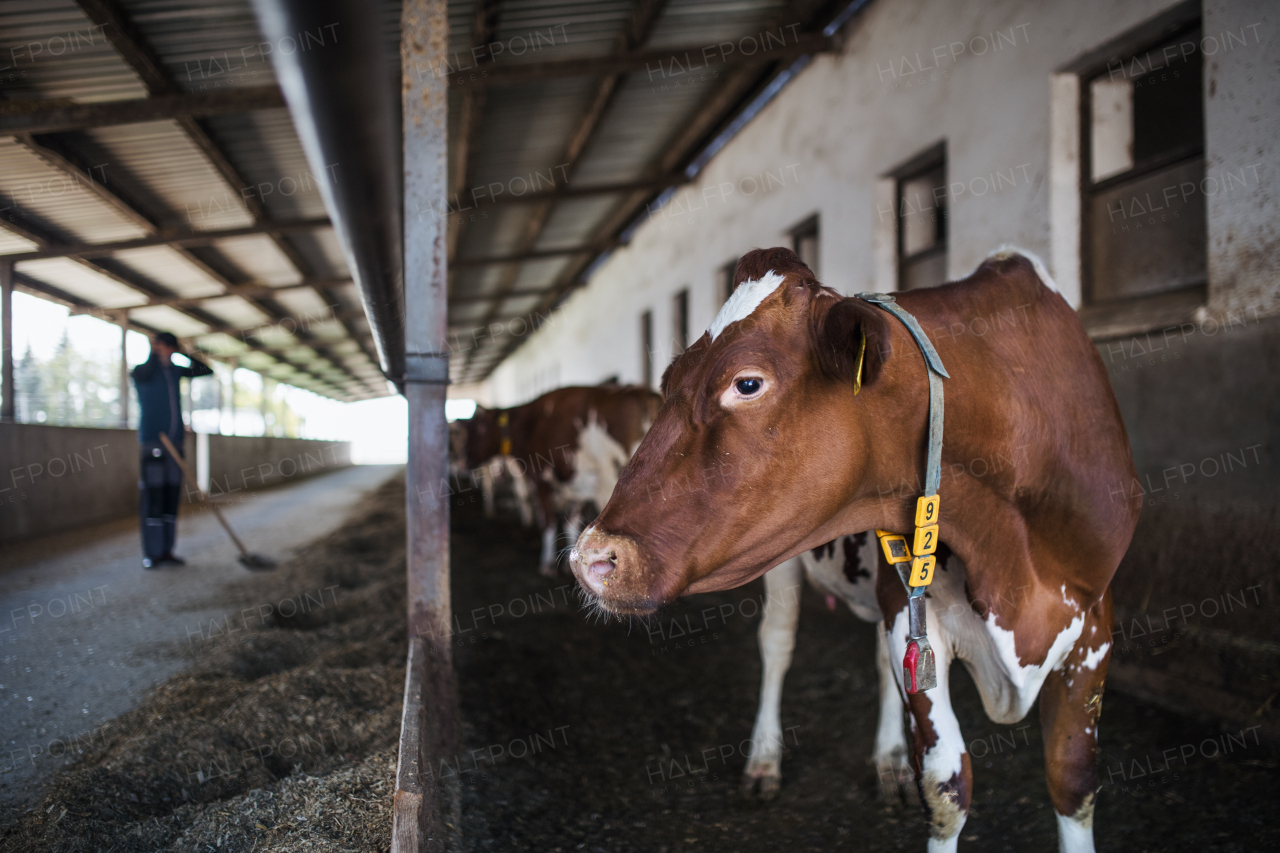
[[646, 348], [921, 203], [726, 280], [1142, 118], [680, 321], [804, 242]]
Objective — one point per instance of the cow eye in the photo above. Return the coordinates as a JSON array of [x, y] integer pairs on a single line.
[[747, 387]]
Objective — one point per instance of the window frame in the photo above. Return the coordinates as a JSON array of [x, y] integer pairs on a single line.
[[932, 158], [809, 227], [1175, 23]]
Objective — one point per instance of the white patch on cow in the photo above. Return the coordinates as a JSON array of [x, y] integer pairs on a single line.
[[1075, 832], [1093, 658], [1007, 251], [745, 299], [1026, 680], [597, 463]]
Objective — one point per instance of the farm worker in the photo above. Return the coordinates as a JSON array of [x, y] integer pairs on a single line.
[[160, 478]]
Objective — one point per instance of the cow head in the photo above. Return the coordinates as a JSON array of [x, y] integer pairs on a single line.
[[757, 451]]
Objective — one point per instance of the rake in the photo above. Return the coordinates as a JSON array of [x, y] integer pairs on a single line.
[[247, 558]]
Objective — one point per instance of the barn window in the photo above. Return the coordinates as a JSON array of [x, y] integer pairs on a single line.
[[804, 242], [725, 288], [1143, 211], [646, 348], [680, 321], [921, 202]]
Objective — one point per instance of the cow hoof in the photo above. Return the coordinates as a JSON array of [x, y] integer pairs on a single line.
[[763, 780], [547, 571]]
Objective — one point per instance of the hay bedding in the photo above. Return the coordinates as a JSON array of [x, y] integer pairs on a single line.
[[281, 737]]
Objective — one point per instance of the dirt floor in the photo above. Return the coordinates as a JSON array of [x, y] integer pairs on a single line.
[[583, 735], [281, 735]]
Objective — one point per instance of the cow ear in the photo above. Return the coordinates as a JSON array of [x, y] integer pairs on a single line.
[[838, 328]]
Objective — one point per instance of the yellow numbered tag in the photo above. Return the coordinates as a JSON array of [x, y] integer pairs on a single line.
[[927, 510], [926, 541], [922, 571], [895, 548]]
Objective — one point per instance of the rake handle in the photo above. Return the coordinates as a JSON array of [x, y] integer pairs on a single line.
[[182, 463]]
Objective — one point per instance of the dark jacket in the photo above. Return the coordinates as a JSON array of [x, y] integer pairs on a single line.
[[159, 397]]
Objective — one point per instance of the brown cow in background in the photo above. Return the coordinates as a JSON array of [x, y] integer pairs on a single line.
[[763, 450], [570, 443]]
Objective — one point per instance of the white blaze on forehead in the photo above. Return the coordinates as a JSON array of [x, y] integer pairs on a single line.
[[744, 300]]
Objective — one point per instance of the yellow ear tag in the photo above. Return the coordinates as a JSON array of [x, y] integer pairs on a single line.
[[505, 449], [862, 350]]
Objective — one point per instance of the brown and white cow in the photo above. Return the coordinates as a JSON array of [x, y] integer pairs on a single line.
[[570, 443], [763, 450]]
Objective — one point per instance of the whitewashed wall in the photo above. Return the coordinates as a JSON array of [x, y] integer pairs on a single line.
[[823, 144]]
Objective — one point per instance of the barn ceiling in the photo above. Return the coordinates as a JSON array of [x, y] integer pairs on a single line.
[[151, 174]]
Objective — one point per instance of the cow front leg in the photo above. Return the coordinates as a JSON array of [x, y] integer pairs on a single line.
[[777, 636], [550, 521], [520, 485], [893, 767], [486, 488], [944, 777], [1070, 705]]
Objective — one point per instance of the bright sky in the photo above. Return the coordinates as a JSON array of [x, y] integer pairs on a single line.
[[378, 429]]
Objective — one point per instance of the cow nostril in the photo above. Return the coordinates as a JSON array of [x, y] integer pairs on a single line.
[[600, 568]]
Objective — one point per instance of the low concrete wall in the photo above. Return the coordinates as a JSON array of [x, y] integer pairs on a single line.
[[244, 463], [55, 478]]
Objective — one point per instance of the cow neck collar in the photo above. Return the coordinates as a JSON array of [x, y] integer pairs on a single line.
[[936, 372]]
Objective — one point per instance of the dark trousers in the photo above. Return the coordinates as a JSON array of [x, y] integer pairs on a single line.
[[159, 489]]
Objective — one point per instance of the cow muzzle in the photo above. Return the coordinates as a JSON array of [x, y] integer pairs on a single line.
[[611, 571]]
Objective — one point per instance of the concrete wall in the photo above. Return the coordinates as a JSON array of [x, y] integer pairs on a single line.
[[244, 463], [59, 478]]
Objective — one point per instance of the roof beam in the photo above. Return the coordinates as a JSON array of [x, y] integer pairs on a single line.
[[661, 65], [39, 116], [167, 237], [568, 193], [521, 257]]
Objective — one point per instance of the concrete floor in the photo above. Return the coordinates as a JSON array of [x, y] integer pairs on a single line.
[[85, 631]]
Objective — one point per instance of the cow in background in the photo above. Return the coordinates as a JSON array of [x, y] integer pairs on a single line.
[[569, 444], [776, 452], [843, 570]]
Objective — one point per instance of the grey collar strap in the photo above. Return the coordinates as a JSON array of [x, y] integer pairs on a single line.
[[933, 465]]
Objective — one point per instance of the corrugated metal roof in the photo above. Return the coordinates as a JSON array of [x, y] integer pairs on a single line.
[[525, 134], [173, 177], [159, 179]]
